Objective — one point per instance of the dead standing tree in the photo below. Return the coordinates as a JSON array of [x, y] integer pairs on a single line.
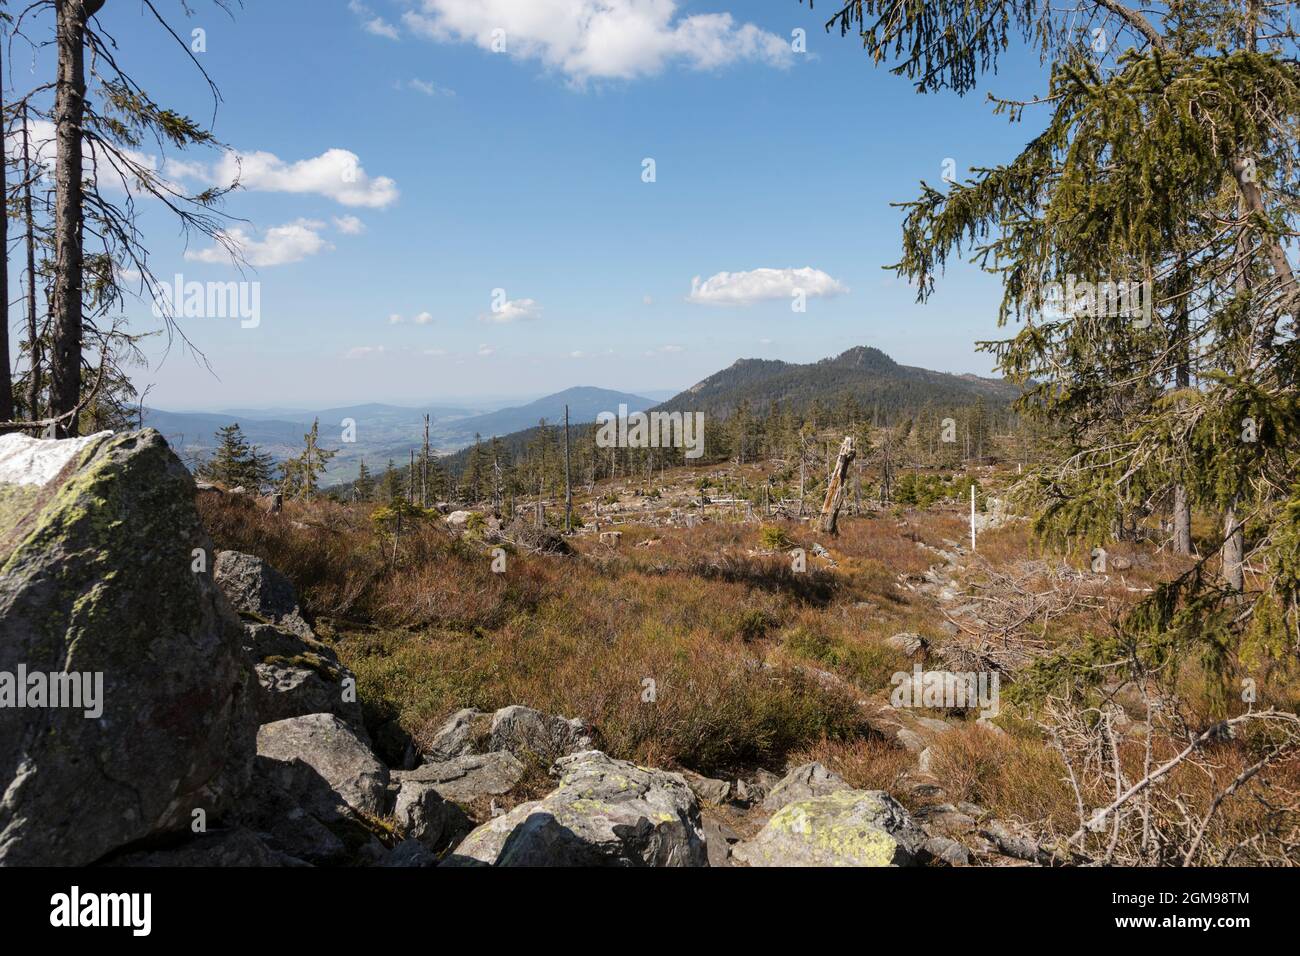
[[830, 515], [98, 151]]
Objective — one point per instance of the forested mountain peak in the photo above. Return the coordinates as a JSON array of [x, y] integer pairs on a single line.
[[863, 374]]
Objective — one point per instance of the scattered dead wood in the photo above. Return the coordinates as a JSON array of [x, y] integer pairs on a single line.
[[830, 515], [1008, 614]]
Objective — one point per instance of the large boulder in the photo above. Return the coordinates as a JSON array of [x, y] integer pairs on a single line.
[[105, 574], [259, 591], [298, 675], [465, 778], [459, 734], [844, 828], [323, 745], [296, 811], [605, 812], [803, 783], [421, 813]]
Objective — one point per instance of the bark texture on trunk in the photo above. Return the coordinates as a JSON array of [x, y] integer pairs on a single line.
[[6, 360], [1182, 521], [830, 515], [69, 111], [33, 332], [1234, 543]]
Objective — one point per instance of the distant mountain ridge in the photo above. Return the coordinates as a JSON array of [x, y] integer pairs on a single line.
[[382, 431], [585, 402], [866, 374], [874, 380]]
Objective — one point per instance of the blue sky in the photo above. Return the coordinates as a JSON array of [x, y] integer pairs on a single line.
[[522, 171]]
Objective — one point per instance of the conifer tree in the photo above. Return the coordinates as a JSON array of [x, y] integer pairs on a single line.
[[364, 487], [300, 477], [1162, 161], [392, 486], [236, 462]]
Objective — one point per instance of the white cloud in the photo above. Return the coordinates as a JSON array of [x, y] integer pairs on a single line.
[[435, 352], [599, 39], [485, 350], [429, 89], [335, 173], [349, 225], [514, 310], [365, 351], [424, 318], [746, 288], [665, 350], [372, 23], [280, 245]]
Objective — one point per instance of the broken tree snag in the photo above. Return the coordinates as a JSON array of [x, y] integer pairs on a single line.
[[830, 515]]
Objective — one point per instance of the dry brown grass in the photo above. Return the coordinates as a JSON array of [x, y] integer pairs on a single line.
[[869, 764], [721, 629], [1015, 777]]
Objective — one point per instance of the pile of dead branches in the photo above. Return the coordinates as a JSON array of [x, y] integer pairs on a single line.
[[1174, 796], [1008, 613]]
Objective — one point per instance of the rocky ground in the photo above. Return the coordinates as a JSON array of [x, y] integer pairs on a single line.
[[232, 734]]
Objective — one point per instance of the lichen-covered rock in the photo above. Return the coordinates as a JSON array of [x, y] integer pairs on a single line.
[[299, 675], [258, 590], [330, 748], [845, 828], [802, 783], [605, 812], [531, 735], [105, 572], [468, 776], [458, 734]]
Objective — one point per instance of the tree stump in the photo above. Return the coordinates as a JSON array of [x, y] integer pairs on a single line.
[[830, 515]]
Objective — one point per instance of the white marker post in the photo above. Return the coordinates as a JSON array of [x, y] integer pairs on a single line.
[[972, 516]]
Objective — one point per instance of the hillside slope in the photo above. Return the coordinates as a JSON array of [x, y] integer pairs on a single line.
[[867, 375], [584, 402]]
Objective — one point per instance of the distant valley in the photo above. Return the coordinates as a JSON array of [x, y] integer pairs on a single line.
[[382, 431]]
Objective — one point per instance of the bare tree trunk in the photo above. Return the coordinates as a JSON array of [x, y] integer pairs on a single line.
[[801, 481], [1234, 546], [6, 363], [568, 490], [1182, 521], [835, 487], [1233, 552], [69, 111], [1183, 379], [33, 333], [424, 466]]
